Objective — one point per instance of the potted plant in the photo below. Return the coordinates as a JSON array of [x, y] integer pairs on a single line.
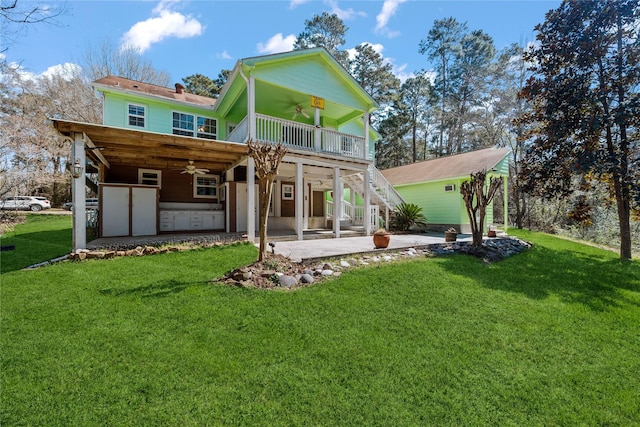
[[450, 235], [492, 232], [381, 238]]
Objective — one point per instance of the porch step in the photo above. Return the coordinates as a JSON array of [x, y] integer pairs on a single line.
[[315, 234]]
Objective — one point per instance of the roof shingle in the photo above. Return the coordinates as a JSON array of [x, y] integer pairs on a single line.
[[456, 166], [153, 90]]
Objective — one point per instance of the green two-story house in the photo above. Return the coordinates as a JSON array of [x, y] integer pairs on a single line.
[[169, 161]]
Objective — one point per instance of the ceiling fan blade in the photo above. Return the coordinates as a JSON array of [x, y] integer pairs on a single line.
[[305, 114]]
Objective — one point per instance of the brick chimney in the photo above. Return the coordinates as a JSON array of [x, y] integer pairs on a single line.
[[179, 88]]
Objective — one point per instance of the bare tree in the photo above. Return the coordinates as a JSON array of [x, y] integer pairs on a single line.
[[477, 196], [267, 158], [15, 18], [34, 158], [105, 59]]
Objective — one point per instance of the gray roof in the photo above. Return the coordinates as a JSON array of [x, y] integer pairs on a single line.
[[456, 166]]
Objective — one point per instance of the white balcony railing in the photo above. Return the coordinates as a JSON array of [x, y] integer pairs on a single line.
[[301, 136]]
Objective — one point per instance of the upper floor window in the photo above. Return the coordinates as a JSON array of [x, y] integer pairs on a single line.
[[136, 115], [207, 128], [182, 124], [190, 125]]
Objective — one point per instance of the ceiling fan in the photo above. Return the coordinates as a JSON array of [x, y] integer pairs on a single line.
[[298, 110], [191, 169]]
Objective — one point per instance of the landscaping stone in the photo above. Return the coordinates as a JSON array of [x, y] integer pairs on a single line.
[[288, 281], [306, 278]]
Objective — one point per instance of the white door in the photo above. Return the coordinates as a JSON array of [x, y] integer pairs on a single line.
[[241, 207], [144, 211], [115, 211]]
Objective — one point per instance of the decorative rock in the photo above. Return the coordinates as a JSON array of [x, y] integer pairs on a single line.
[[288, 281], [306, 278], [344, 263], [327, 272], [375, 259], [386, 258], [307, 271], [95, 255]]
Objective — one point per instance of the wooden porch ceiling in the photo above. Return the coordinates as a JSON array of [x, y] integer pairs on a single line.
[[153, 150]]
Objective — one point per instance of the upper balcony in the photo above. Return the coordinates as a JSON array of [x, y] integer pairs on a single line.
[[301, 136]]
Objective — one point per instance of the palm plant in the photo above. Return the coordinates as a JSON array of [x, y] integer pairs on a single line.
[[407, 215]]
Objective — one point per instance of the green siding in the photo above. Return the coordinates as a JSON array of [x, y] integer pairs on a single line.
[[438, 206], [158, 115], [312, 75]]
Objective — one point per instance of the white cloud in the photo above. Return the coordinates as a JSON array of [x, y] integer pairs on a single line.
[[13, 70], [224, 55], [67, 71], [167, 23], [295, 3], [344, 14], [277, 44], [389, 8]]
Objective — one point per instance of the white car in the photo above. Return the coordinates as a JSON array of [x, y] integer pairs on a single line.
[[32, 203], [89, 203]]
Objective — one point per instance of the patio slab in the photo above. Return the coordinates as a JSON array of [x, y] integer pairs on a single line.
[[310, 250]]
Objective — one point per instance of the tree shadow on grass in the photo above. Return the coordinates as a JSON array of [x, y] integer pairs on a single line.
[[598, 282], [157, 290]]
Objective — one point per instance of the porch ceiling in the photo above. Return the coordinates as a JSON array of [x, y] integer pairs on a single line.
[[153, 150]]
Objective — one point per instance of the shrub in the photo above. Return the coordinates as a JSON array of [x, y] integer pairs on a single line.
[[408, 215]]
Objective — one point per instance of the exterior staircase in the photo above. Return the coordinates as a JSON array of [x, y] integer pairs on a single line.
[[381, 191]]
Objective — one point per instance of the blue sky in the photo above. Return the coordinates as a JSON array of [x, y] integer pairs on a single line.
[[197, 36]]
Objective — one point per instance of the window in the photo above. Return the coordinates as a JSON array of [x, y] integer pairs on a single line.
[[207, 128], [450, 187], [149, 177], [190, 125], [136, 115], [182, 124], [287, 192], [205, 186]]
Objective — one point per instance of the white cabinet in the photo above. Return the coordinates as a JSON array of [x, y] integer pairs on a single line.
[[177, 220], [128, 210], [181, 220], [218, 221]]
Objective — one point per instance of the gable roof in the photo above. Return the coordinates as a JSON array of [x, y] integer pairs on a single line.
[[456, 166], [289, 71], [146, 89]]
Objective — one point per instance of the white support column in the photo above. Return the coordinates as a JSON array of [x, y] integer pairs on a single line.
[[317, 133], [337, 201], [352, 197], [505, 201], [386, 217], [79, 196], [251, 107], [366, 135], [251, 200], [299, 206], [367, 203]]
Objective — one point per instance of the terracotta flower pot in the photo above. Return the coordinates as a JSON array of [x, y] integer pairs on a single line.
[[381, 240], [450, 236]]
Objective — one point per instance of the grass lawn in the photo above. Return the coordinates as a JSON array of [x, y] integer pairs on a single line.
[[549, 337], [41, 238]]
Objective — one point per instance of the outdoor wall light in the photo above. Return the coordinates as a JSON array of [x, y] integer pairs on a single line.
[[76, 169]]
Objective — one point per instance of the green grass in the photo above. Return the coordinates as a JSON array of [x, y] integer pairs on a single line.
[[41, 238], [549, 337]]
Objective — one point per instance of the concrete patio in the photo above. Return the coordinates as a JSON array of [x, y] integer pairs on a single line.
[[315, 246]]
